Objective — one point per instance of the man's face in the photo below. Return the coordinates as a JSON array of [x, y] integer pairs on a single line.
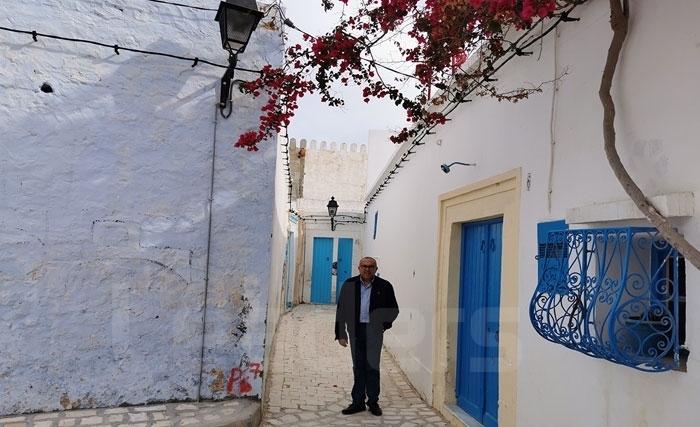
[[367, 267]]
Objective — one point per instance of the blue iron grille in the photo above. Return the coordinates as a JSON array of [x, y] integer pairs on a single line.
[[614, 295]]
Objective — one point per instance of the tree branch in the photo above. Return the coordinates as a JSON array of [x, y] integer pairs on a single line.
[[619, 22]]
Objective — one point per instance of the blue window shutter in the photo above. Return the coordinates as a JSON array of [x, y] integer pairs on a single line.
[[543, 229]]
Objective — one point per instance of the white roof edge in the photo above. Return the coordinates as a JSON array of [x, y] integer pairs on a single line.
[[387, 168]]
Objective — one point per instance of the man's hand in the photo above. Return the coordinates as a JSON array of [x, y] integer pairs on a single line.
[[344, 343]]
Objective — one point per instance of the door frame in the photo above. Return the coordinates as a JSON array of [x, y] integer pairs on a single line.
[[494, 197]]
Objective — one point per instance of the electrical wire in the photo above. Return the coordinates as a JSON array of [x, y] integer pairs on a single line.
[[183, 5], [552, 124], [269, 8], [514, 51], [210, 201], [195, 61], [288, 170]]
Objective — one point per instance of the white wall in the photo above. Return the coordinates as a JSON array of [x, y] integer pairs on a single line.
[[332, 169], [329, 169], [280, 234], [656, 92], [104, 210], [380, 151]]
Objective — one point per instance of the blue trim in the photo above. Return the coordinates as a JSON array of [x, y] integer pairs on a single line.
[[321, 270], [549, 250], [344, 264]]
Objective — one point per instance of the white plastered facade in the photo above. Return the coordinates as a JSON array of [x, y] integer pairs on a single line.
[[656, 93]]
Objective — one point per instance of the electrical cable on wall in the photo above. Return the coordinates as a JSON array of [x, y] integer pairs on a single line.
[[210, 201], [270, 7], [287, 168], [183, 5], [552, 125], [188, 6], [116, 48]]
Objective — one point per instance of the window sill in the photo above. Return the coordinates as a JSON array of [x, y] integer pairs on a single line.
[[670, 205]]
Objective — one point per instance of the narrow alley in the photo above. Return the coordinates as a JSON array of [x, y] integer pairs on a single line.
[[311, 377]]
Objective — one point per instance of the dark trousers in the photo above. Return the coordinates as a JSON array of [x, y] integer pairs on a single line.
[[366, 349]]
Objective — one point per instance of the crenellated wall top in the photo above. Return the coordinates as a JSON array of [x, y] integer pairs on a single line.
[[326, 146]]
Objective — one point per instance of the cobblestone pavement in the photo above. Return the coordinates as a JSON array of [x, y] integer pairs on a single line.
[[233, 413], [310, 378]]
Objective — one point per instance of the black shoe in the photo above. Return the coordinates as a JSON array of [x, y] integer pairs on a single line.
[[353, 409], [375, 409]]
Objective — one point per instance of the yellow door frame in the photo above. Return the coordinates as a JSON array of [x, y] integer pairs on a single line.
[[498, 196]]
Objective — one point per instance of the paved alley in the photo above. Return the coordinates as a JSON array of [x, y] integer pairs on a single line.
[[311, 378]]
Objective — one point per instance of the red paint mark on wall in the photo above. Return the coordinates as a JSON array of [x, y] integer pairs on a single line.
[[245, 386], [256, 369], [239, 381], [229, 383]]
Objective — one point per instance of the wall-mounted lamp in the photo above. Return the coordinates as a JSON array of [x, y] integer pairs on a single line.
[[237, 20], [332, 210], [446, 168]]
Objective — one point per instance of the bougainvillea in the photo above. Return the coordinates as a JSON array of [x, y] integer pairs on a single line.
[[284, 90], [442, 33], [436, 36]]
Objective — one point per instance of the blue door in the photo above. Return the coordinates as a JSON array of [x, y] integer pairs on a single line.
[[344, 264], [321, 270], [479, 300], [291, 260]]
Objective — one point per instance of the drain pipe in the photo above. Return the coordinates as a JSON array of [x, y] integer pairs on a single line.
[[206, 269]]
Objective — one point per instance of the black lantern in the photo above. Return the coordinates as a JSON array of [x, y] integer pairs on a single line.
[[237, 20], [332, 210], [332, 207]]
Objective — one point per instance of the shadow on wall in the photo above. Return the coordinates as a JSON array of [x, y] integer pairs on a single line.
[[103, 228]]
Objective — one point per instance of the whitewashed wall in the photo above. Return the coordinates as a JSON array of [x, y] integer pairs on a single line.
[[380, 151], [329, 169], [332, 169], [280, 232], [656, 91], [104, 212]]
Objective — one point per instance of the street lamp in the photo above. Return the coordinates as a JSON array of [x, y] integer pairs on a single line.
[[237, 20], [332, 210], [446, 168]]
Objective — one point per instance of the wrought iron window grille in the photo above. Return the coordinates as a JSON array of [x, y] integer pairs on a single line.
[[613, 293]]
